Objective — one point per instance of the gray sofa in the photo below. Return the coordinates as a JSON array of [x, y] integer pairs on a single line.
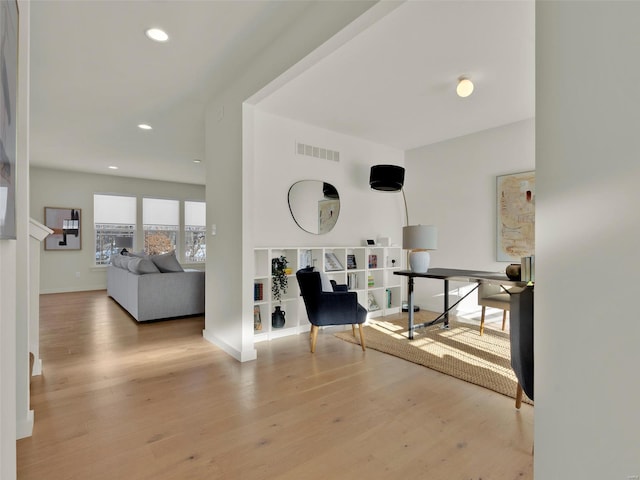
[[157, 294]]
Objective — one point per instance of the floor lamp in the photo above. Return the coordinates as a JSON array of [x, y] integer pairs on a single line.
[[390, 178]]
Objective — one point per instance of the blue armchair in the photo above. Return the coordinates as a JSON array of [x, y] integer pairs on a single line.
[[335, 307]]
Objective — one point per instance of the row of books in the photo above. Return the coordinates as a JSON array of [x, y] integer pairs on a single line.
[[528, 269], [258, 292]]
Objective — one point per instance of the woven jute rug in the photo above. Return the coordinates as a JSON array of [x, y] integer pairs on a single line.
[[458, 351]]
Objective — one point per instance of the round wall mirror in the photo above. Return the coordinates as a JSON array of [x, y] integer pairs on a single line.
[[314, 205]]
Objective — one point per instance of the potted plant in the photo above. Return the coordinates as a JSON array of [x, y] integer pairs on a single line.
[[279, 283]]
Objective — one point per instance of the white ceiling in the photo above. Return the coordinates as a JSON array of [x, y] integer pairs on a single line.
[[95, 76]]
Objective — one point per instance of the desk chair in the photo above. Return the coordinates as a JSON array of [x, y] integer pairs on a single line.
[[521, 340], [331, 305], [493, 296]]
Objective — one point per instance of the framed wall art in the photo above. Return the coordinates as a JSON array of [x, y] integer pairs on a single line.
[[8, 91], [515, 205], [66, 226]]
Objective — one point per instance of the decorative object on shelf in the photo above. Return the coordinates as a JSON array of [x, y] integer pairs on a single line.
[[277, 317], [257, 318], [515, 202], [279, 281], [65, 223], [331, 262], [513, 271], [306, 259], [373, 261], [373, 305], [419, 239], [351, 262]]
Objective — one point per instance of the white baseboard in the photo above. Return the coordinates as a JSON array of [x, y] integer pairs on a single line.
[[24, 426], [74, 289], [241, 356]]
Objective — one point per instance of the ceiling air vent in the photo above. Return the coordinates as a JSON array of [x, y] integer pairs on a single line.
[[317, 152]]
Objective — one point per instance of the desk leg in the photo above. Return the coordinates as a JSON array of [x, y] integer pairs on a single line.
[[410, 306], [446, 303]]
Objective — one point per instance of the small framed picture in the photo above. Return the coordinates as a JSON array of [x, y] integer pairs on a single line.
[[65, 223], [351, 262]]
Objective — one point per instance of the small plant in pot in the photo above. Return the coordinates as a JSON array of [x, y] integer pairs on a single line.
[[279, 284]]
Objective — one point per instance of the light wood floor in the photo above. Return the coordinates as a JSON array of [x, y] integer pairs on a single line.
[[120, 400]]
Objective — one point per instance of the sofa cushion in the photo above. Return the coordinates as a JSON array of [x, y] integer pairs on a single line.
[[141, 266], [167, 262], [120, 261]]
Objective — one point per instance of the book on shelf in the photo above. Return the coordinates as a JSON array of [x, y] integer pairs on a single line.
[[258, 292], [528, 269], [370, 281], [352, 281], [351, 262], [373, 261]]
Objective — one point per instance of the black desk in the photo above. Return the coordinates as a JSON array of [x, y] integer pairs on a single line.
[[446, 274]]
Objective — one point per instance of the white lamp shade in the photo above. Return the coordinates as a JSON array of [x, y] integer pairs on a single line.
[[420, 237]]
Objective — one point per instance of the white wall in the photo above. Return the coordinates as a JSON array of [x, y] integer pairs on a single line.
[[364, 213], [14, 345], [587, 333], [452, 185], [58, 188], [229, 323]]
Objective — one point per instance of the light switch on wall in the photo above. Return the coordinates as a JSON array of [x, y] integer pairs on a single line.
[[213, 229]]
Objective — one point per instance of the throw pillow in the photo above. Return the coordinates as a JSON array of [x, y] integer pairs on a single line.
[[326, 282], [142, 266], [119, 261], [167, 262]]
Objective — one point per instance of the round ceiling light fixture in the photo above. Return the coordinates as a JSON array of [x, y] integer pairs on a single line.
[[465, 87], [157, 35], [144, 126]]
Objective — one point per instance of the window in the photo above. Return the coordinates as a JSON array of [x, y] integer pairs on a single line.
[[114, 218], [160, 222], [195, 230]]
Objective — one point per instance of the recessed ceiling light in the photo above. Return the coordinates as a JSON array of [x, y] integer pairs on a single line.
[[465, 87], [113, 167], [197, 161], [157, 34], [144, 126]]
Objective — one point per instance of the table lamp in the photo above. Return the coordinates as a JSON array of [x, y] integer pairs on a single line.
[[419, 239]]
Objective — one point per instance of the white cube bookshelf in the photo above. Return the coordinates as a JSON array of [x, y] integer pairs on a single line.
[[355, 267]]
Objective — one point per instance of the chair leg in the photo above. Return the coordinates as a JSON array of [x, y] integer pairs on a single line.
[[314, 337], [519, 396], [482, 319], [361, 337], [353, 329], [504, 319]]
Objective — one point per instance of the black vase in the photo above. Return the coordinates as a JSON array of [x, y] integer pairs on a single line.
[[277, 318]]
